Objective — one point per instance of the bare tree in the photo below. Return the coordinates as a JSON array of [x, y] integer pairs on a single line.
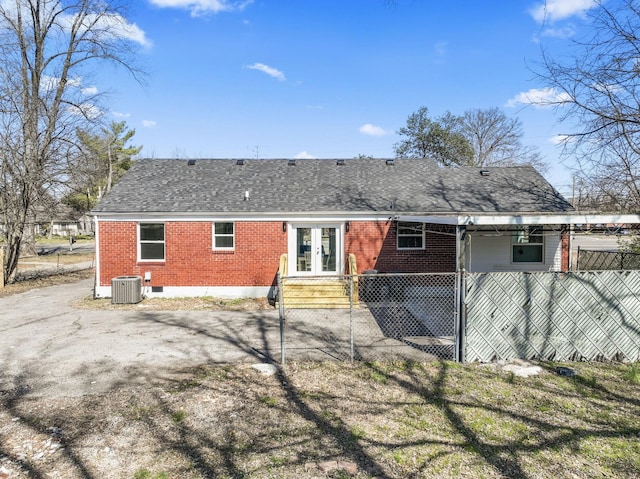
[[47, 49], [477, 138], [496, 140], [597, 91], [608, 179]]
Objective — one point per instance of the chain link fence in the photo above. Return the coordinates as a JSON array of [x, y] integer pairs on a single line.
[[369, 317], [593, 260], [414, 317]]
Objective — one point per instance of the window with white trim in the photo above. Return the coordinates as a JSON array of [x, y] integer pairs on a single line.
[[151, 246], [410, 235], [528, 245], [224, 236]]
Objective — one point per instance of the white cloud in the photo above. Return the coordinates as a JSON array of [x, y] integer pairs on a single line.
[[369, 129], [562, 139], [118, 114], [90, 90], [272, 72], [539, 97], [87, 110], [149, 123], [103, 25], [563, 32], [109, 26], [554, 10], [303, 155], [201, 7], [50, 83]]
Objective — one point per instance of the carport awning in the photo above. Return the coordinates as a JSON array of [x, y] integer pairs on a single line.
[[525, 219]]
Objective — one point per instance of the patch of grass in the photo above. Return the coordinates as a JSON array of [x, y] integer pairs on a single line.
[[186, 384], [428, 421], [269, 401], [357, 433], [632, 373], [147, 474], [178, 416], [400, 457], [141, 412], [510, 377], [379, 377], [277, 460], [45, 281], [587, 386]]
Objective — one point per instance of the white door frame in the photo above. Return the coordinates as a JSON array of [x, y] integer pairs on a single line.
[[296, 261]]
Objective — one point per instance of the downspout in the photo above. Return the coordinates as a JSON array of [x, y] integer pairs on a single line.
[[97, 257]]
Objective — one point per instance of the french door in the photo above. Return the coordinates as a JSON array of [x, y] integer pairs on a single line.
[[315, 249]]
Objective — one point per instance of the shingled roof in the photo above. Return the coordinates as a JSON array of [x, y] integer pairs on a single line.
[[353, 186]]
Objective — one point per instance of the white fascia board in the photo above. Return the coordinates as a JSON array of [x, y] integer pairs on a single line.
[[489, 220], [217, 216], [568, 219], [460, 220], [438, 220]]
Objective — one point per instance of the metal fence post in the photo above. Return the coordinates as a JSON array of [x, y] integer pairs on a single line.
[[460, 316], [281, 315], [351, 347]]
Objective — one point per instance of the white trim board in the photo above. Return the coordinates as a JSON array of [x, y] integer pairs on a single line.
[[489, 220]]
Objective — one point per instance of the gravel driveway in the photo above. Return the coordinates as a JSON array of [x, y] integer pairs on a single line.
[[50, 349]]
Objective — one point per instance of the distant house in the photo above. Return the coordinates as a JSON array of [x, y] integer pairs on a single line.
[[56, 219], [220, 227], [62, 220]]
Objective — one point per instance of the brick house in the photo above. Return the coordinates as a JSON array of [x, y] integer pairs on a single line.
[[221, 227]]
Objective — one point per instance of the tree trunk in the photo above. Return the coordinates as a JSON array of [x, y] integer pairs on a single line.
[[2, 267]]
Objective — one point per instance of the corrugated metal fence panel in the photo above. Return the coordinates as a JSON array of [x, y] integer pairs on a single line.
[[562, 316]]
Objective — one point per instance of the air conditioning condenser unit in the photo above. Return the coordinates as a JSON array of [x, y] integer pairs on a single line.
[[126, 290]]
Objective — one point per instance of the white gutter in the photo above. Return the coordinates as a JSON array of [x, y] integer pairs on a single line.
[[454, 220], [532, 219]]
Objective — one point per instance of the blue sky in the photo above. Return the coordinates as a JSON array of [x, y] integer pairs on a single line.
[[333, 79]]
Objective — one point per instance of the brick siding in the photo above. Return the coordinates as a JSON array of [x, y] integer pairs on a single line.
[[375, 247], [191, 261], [566, 250], [189, 257]]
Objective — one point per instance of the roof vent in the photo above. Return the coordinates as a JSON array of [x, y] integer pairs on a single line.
[[340, 162], [390, 162], [191, 162], [240, 162], [485, 172], [292, 162]]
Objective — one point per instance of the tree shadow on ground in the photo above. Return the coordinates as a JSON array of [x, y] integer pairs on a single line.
[[233, 421]]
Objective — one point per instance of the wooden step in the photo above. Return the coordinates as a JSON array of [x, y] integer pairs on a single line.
[[301, 293]]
